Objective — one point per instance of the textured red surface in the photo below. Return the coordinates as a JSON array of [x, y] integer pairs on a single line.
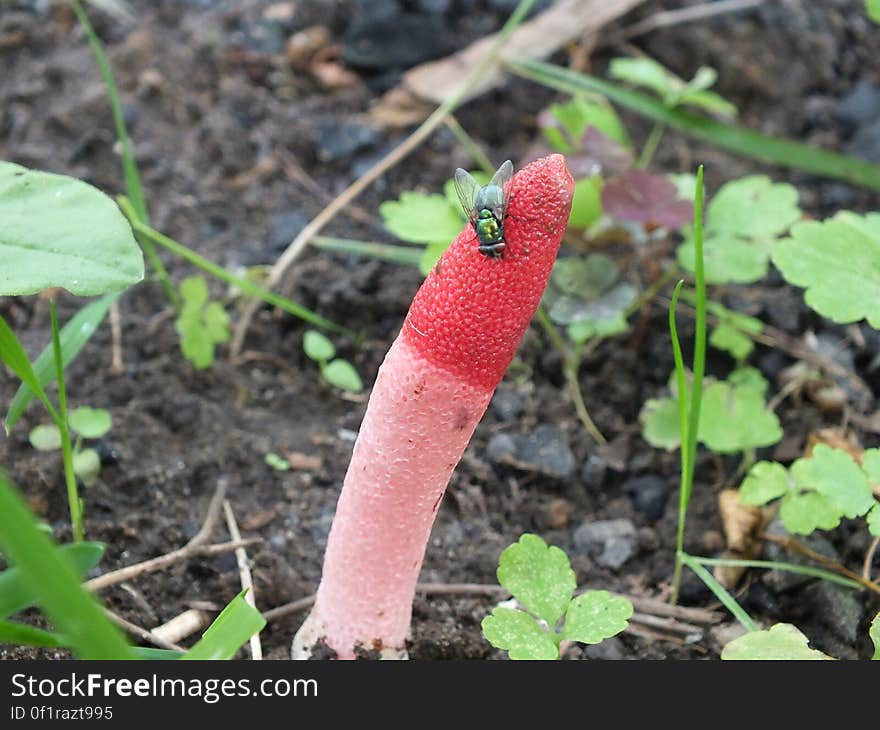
[[471, 312]]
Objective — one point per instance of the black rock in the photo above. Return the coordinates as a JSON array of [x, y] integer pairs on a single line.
[[781, 580], [386, 39], [507, 404], [838, 608], [593, 472], [341, 138], [649, 494], [865, 143], [283, 228], [860, 105], [783, 308], [609, 542], [610, 649], [544, 451]]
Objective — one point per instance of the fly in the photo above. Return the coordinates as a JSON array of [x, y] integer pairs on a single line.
[[486, 206]]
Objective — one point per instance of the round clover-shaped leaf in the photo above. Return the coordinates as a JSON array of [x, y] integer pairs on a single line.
[[734, 418], [803, 513], [45, 437], [874, 633], [835, 475], [661, 426], [90, 423], [782, 641], [518, 634], [595, 616], [873, 518], [837, 261], [87, 466], [421, 218], [766, 481], [538, 576], [727, 257], [58, 231], [753, 207]]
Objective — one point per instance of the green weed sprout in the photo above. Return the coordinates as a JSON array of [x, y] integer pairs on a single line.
[[336, 371], [816, 492], [541, 580], [787, 643], [86, 423], [201, 323]]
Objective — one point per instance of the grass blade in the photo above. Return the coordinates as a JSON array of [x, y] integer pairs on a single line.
[[72, 610], [230, 630], [74, 336], [23, 635], [741, 141], [13, 354], [16, 595], [720, 592]]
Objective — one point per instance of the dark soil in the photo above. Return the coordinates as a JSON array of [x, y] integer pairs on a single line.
[[210, 99]]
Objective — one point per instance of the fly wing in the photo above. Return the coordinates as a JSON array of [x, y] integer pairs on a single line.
[[466, 188], [501, 178]]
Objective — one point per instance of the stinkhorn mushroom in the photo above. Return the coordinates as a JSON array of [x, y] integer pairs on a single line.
[[462, 330]]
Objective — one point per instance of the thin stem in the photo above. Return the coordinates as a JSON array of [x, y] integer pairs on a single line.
[[61, 421], [133, 188], [470, 145], [651, 145], [570, 365], [721, 593], [248, 287], [788, 567]]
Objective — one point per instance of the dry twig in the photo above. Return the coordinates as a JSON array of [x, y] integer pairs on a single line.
[[244, 572]]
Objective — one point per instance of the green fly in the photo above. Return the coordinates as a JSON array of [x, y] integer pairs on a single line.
[[485, 207]]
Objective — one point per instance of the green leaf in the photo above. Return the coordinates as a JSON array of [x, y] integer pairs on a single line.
[[24, 635], [730, 339], [727, 258], [803, 513], [421, 218], [586, 205], [237, 623], [874, 633], [15, 595], [873, 518], [87, 466], [318, 347], [90, 423], [341, 374], [54, 584], [577, 115], [838, 262], [518, 634], [766, 481], [538, 576], [871, 464], [835, 475], [276, 462], [660, 423], [781, 641], [595, 616], [872, 7], [673, 91], [73, 338], [734, 418], [430, 256], [723, 135], [645, 72], [59, 231], [743, 219], [201, 324], [45, 437]]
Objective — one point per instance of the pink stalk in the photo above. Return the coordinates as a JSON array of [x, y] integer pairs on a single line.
[[463, 328]]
